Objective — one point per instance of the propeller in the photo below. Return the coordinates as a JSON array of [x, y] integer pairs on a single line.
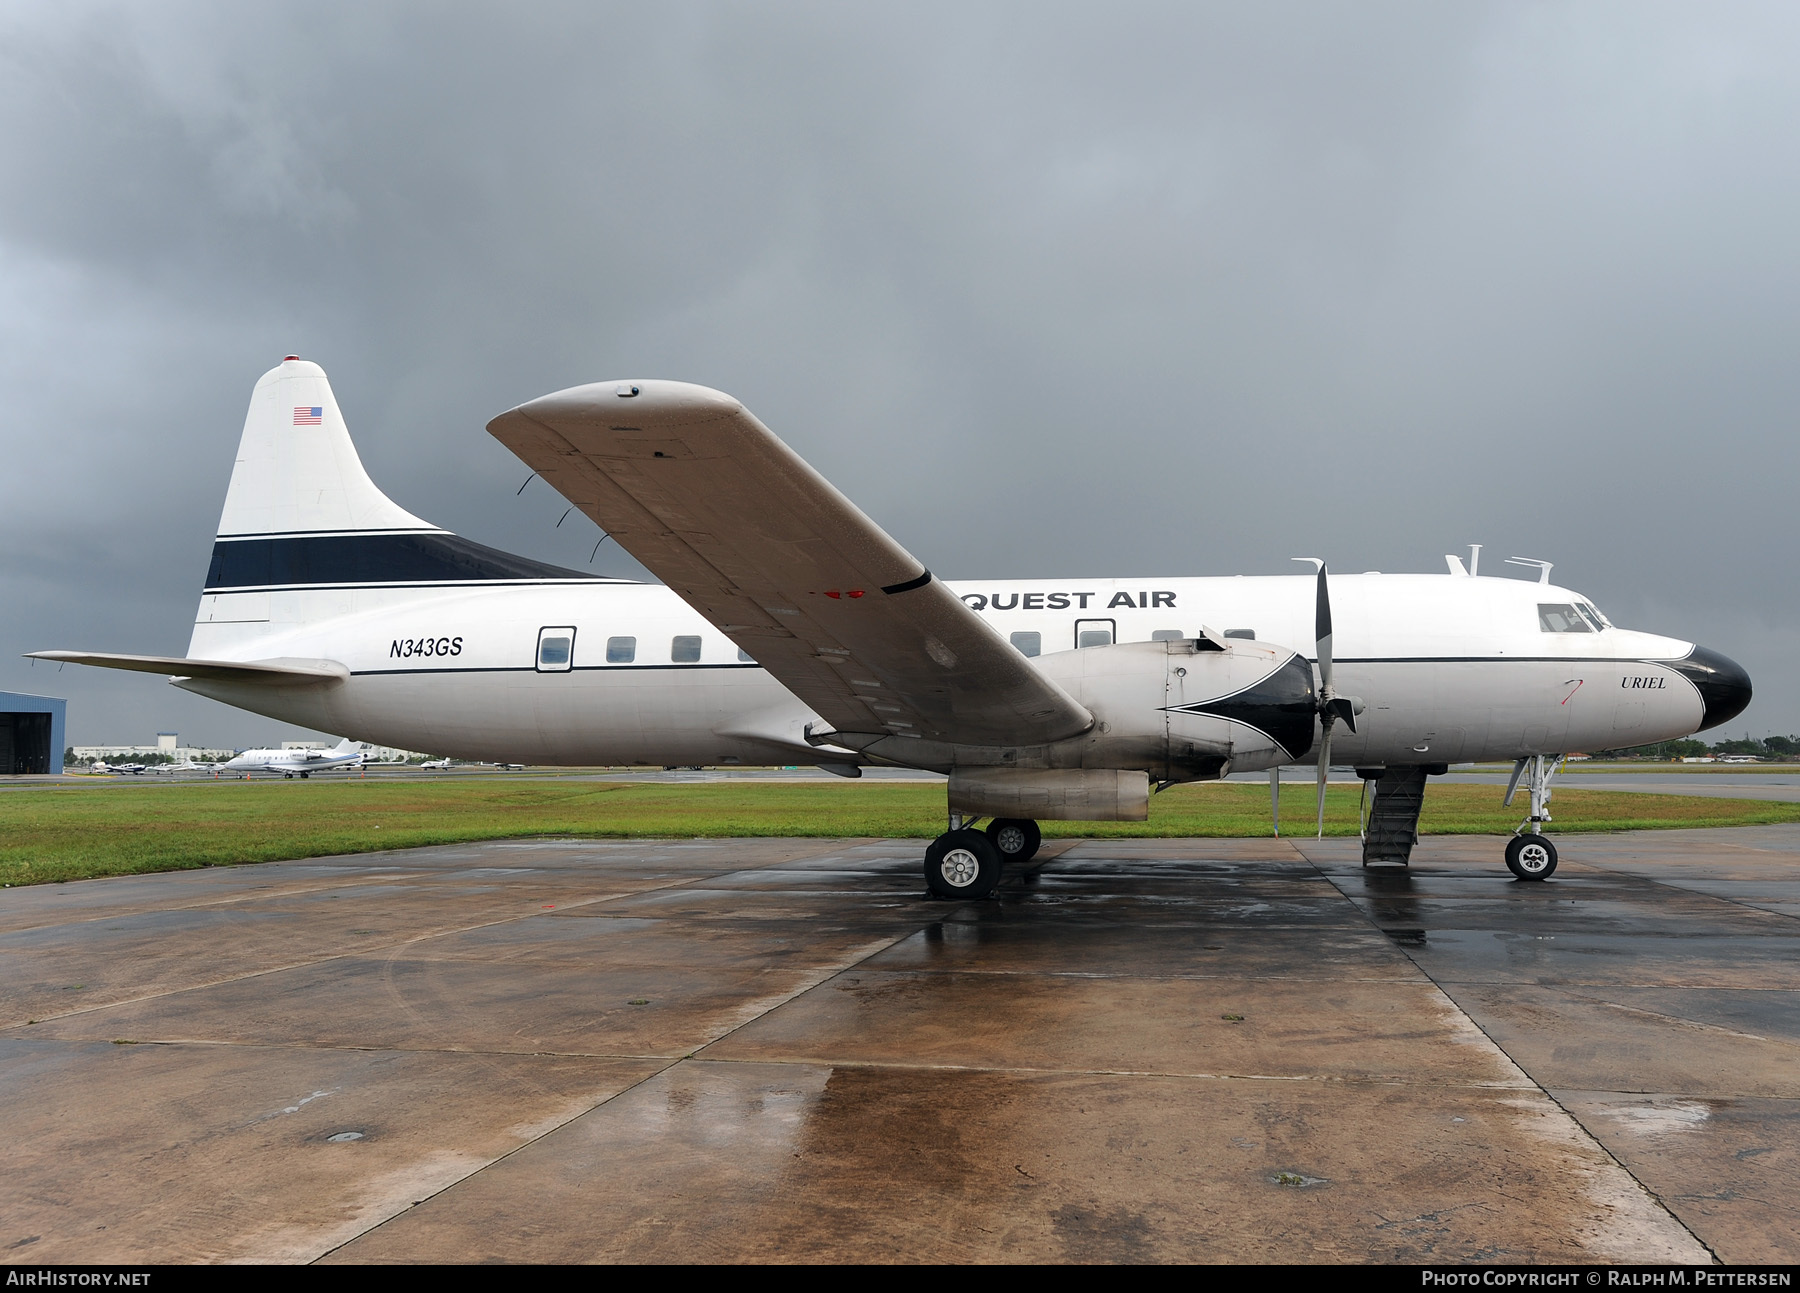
[[1332, 707]]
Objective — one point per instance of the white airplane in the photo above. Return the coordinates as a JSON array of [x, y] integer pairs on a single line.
[[343, 755], [191, 765], [435, 765], [791, 628]]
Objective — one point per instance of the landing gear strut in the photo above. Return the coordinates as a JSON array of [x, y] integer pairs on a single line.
[[1529, 854]]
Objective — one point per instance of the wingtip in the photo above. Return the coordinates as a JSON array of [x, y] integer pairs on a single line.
[[636, 399]]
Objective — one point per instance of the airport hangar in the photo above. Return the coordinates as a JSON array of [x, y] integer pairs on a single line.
[[31, 733]]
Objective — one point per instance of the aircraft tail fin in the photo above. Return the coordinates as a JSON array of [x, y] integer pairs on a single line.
[[297, 471], [300, 506], [302, 516]]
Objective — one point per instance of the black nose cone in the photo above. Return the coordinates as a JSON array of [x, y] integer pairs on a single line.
[[1723, 684]]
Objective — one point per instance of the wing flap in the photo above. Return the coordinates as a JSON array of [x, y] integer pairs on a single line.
[[745, 531], [280, 672]]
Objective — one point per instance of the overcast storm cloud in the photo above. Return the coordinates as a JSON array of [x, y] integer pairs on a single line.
[[1093, 290]]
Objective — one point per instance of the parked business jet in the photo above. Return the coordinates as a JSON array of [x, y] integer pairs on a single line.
[[343, 755], [790, 627]]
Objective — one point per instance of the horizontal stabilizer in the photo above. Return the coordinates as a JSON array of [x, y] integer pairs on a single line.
[[280, 672]]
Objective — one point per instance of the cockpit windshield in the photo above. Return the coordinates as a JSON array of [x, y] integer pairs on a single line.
[[1555, 617]]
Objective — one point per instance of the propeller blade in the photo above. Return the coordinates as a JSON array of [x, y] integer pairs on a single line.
[[1324, 770], [1275, 796], [1331, 706], [1322, 629]]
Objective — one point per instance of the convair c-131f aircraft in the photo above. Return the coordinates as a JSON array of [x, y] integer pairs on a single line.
[[790, 627]]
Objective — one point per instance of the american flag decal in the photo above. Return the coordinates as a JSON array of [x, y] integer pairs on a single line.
[[308, 417]]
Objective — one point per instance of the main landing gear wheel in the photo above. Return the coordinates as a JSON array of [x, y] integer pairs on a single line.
[[1531, 857], [1016, 838], [962, 864]]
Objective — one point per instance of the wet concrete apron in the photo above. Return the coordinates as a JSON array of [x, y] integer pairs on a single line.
[[778, 1050]]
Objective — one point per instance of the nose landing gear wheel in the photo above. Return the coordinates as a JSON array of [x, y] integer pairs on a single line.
[[1017, 839], [962, 864], [1531, 857]]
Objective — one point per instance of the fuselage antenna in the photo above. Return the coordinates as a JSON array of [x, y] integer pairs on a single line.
[[1474, 559], [1542, 567]]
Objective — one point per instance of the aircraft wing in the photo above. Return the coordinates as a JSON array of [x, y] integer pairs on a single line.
[[278, 672], [718, 508]]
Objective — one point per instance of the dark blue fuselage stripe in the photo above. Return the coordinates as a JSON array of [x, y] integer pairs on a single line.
[[405, 558]]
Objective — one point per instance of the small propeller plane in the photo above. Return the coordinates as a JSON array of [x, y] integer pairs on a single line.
[[790, 627]]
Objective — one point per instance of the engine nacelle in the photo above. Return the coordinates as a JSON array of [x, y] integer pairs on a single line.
[[1065, 795], [1186, 710]]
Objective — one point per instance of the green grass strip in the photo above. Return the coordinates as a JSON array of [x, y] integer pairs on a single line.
[[76, 832]]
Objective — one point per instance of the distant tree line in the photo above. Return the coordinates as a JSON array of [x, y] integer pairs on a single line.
[[145, 759], [1770, 747]]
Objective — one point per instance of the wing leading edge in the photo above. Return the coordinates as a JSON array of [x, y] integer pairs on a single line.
[[743, 529]]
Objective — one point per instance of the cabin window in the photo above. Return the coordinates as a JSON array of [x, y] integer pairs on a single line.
[[1029, 643], [1093, 633], [1167, 635], [1249, 635], [621, 650], [1556, 618], [744, 657], [556, 649], [685, 649]]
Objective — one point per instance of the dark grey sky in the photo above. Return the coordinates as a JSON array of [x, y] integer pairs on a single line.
[[1175, 289]]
